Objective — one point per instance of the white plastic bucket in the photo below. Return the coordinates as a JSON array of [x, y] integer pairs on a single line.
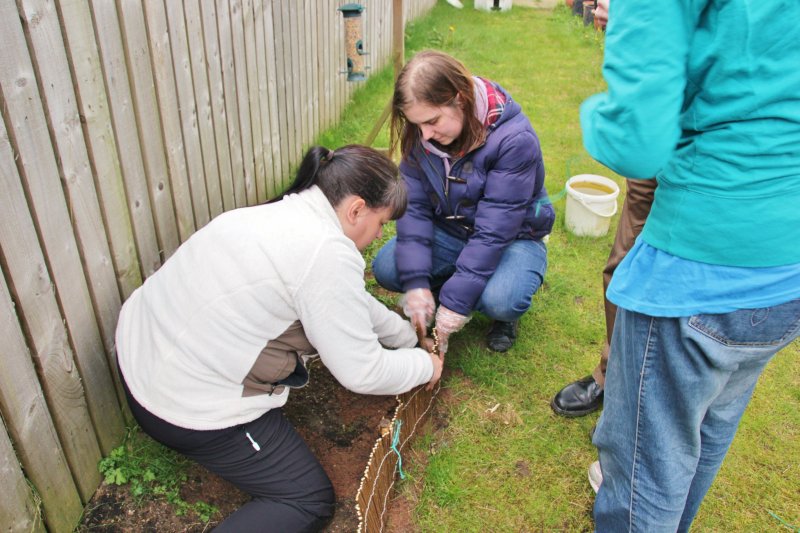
[[591, 202]]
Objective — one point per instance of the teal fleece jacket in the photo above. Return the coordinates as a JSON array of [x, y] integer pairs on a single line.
[[705, 95]]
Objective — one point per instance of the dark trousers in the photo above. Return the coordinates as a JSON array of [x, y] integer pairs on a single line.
[[290, 490], [639, 196]]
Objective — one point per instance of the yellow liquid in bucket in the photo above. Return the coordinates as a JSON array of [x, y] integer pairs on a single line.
[[589, 187]]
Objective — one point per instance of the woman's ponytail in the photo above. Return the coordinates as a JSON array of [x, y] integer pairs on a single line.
[[352, 170], [308, 173]]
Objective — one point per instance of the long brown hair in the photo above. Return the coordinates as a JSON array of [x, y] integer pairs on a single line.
[[436, 79], [351, 170]]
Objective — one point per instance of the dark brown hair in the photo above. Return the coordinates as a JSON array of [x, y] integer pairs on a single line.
[[351, 170], [436, 79]]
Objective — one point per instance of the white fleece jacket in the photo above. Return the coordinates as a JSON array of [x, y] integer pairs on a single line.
[[189, 335]]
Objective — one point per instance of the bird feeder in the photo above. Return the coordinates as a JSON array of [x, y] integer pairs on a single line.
[[353, 43]]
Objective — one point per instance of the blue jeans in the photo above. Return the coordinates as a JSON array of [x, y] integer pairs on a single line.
[[509, 291], [675, 391]]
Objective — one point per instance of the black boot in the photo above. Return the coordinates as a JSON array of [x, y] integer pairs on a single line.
[[578, 398], [502, 336]]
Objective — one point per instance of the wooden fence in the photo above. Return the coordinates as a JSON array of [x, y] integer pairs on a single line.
[[126, 126]]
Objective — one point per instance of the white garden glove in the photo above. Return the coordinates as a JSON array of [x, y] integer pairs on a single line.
[[418, 305], [447, 323]]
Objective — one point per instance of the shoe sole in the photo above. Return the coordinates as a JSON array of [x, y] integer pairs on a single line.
[[595, 478], [494, 349], [573, 414]]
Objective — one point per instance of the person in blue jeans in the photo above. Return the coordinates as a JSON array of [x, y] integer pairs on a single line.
[[705, 95], [477, 209]]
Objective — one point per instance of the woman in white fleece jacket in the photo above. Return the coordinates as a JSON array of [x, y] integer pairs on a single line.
[[211, 344]]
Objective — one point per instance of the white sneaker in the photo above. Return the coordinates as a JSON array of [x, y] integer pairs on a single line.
[[595, 476], [455, 3]]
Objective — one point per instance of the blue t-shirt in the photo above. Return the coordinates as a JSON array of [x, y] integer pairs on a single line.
[[656, 283]]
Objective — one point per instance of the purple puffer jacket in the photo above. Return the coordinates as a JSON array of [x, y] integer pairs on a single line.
[[495, 195]]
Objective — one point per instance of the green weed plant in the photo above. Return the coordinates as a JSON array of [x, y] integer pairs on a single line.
[[153, 472]]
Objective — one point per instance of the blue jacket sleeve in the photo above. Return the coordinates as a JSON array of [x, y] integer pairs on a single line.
[[415, 232], [634, 127], [510, 185]]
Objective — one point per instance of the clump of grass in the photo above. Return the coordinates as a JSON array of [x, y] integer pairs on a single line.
[[152, 471]]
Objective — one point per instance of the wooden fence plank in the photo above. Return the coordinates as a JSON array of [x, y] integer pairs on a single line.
[[93, 104], [19, 510], [304, 63], [229, 92], [334, 65], [370, 40], [283, 72], [46, 44], [295, 87], [378, 36], [260, 52], [243, 96], [398, 38], [277, 141], [202, 96], [26, 122], [387, 31], [313, 50], [168, 105], [26, 417], [297, 15], [260, 178], [219, 115], [28, 276], [340, 59], [264, 99], [149, 125], [384, 33], [123, 119], [187, 106], [320, 64], [331, 60]]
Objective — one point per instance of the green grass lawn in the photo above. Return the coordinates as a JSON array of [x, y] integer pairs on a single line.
[[518, 467]]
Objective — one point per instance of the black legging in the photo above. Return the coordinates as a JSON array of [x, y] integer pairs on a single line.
[[290, 490]]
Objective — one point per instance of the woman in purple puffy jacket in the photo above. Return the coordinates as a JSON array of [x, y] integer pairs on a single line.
[[478, 209]]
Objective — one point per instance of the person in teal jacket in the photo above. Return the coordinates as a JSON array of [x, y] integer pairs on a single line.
[[705, 96]]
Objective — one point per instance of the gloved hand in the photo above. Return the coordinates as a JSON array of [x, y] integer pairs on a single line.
[[438, 366], [447, 323], [418, 305], [601, 12]]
